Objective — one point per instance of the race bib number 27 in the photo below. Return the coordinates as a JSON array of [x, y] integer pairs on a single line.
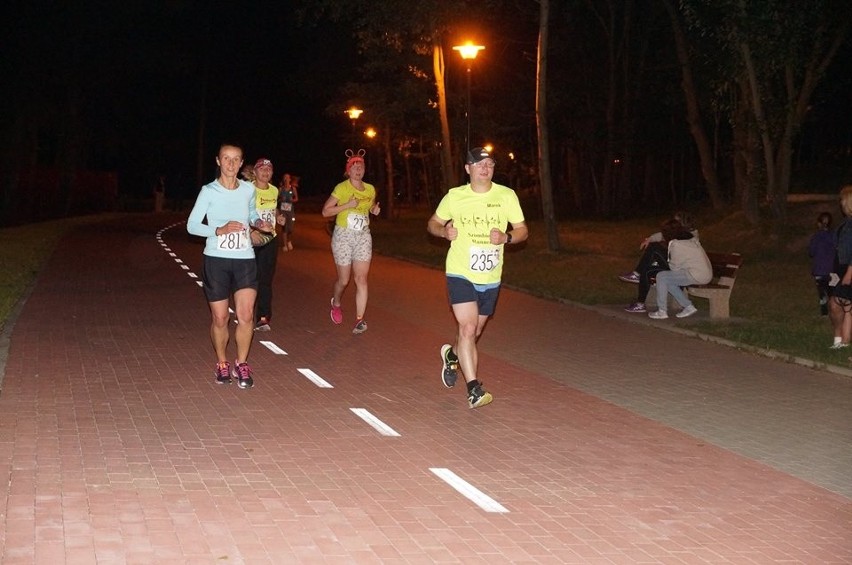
[[484, 259], [357, 222]]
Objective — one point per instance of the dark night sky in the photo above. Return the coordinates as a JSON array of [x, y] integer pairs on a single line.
[[137, 70], [140, 69]]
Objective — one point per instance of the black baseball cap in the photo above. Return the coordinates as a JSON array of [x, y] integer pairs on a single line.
[[477, 154]]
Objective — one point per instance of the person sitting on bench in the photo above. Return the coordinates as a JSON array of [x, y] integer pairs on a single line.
[[688, 265]]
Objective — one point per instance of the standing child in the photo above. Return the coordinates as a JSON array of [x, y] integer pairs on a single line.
[[822, 249]]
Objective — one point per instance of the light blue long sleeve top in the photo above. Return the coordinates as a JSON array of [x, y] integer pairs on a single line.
[[221, 206]]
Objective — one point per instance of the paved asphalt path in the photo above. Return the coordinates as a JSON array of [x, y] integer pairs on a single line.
[[608, 442]]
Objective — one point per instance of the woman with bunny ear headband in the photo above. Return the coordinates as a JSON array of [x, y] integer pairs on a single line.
[[351, 203]]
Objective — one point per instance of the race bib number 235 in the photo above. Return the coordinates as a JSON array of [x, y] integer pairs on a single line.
[[484, 259]]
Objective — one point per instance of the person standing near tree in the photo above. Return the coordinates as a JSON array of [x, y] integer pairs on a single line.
[[475, 219], [822, 249], [229, 267]]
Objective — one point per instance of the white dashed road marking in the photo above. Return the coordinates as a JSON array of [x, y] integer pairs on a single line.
[[469, 491], [379, 426], [273, 348], [315, 378]]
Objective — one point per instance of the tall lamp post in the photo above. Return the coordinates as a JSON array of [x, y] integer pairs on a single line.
[[468, 53], [354, 113], [370, 133]]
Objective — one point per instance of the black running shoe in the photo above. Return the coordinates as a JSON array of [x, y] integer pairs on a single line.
[[478, 397], [450, 366]]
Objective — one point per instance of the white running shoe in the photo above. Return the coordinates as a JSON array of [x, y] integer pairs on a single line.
[[688, 311]]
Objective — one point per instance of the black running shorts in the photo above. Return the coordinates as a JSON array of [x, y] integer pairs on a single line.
[[223, 277], [462, 290]]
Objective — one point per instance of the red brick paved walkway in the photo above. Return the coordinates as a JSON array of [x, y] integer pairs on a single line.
[[607, 442]]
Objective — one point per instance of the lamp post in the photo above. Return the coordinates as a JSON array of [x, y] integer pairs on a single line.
[[354, 113], [370, 133], [468, 53]]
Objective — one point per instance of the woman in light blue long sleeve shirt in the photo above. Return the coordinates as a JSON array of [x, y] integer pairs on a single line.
[[228, 204]]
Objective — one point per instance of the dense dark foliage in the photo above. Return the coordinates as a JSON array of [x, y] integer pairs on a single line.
[[147, 88]]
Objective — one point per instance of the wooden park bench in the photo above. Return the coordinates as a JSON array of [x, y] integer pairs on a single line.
[[718, 290]]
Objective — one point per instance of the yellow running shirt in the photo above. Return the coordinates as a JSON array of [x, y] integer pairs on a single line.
[[471, 255], [357, 218], [266, 201]]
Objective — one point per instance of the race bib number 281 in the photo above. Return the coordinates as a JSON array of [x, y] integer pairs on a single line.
[[234, 241], [484, 259]]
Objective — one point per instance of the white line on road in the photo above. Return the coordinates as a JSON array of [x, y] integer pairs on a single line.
[[469, 491], [273, 348], [379, 426], [315, 378]]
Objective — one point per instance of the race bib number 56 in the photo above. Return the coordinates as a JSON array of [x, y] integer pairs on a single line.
[[484, 259], [234, 241], [267, 215]]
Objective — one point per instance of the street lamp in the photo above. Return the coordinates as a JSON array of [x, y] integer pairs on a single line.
[[468, 53], [354, 113]]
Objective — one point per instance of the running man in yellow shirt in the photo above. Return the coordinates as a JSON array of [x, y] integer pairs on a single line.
[[475, 218]]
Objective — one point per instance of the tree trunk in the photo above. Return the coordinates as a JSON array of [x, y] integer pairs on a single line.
[[572, 177], [797, 107], [545, 180], [409, 189], [693, 110], [745, 157], [389, 187], [756, 103], [448, 171]]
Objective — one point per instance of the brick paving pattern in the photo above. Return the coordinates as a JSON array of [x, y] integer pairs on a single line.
[[607, 443]]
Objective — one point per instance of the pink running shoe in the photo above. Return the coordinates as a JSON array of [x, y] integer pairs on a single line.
[[223, 373], [241, 372], [336, 313]]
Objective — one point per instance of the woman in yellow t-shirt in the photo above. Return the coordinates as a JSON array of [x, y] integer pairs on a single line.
[[351, 202]]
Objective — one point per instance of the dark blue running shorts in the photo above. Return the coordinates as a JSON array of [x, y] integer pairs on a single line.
[[223, 277], [462, 290]]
